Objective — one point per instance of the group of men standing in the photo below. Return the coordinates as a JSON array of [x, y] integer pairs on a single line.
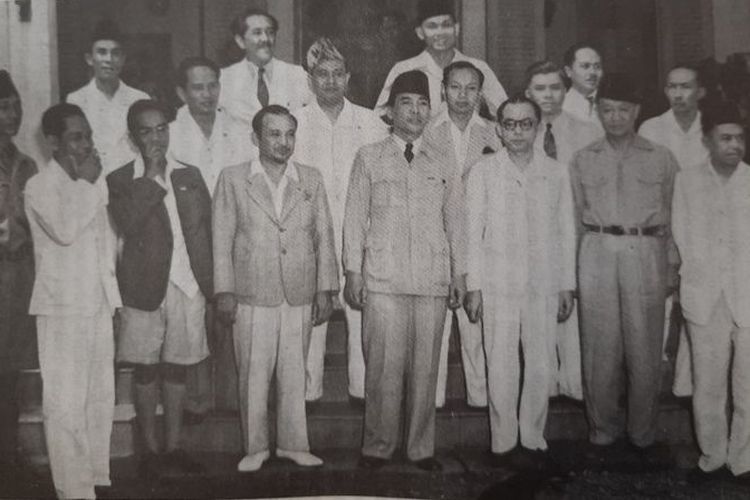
[[271, 199]]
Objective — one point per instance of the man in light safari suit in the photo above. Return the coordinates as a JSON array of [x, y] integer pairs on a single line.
[[404, 254], [275, 275]]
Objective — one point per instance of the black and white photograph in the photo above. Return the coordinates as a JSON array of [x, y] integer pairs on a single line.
[[375, 249]]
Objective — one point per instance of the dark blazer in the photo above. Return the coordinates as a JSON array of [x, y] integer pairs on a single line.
[[141, 219]]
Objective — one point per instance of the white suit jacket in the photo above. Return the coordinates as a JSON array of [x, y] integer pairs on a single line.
[[74, 246], [711, 226]]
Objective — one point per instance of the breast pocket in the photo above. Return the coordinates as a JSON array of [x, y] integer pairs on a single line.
[[388, 193], [649, 188], [594, 189]]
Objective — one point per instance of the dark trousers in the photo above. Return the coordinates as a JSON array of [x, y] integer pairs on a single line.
[[8, 416]]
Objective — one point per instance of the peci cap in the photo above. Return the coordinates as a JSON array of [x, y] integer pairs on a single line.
[[618, 87], [431, 8], [409, 82]]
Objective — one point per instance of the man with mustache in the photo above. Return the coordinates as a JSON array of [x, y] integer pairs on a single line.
[[709, 221], [17, 328], [105, 99], [331, 130], [627, 265], [275, 275], [470, 137], [679, 130], [560, 134], [260, 79], [404, 255], [438, 29], [204, 134], [583, 67], [161, 209]]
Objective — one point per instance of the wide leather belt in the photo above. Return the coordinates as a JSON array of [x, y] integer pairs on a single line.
[[627, 231]]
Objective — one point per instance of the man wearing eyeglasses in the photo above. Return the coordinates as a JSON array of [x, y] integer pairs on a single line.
[[521, 277], [622, 187]]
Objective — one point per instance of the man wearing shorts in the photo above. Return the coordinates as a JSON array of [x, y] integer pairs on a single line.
[[162, 210]]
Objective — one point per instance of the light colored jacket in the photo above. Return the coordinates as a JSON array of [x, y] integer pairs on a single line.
[[521, 229], [711, 226], [403, 225], [266, 259], [74, 245]]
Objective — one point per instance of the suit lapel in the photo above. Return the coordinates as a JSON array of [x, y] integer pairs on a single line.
[[261, 195], [292, 196]]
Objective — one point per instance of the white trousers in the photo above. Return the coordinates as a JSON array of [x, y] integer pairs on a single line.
[[533, 322], [76, 360], [270, 340], [472, 358], [315, 365], [716, 347], [567, 377]]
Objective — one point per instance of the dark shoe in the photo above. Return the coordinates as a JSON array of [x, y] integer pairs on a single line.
[[192, 418], [655, 456], [178, 462], [698, 476], [534, 461], [503, 460], [372, 463], [150, 466], [357, 403], [103, 491], [743, 478], [429, 464]]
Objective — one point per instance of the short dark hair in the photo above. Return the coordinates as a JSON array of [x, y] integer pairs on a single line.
[[138, 108], [272, 109], [542, 68], [53, 119], [239, 23], [519, 98], [718, 113], [462, 65], [106, 30], [194, 62], [689, 67], [569, 56]]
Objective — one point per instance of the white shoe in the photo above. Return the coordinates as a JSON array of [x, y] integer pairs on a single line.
[[301, 458], [251, 463]]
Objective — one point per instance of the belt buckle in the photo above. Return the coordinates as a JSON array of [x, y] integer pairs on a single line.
[[617, 230]]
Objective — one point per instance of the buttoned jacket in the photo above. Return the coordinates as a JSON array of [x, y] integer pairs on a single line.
[[404, 225], [141, 218], [74, 247], [711, 229], [521, 230], [264, 258]]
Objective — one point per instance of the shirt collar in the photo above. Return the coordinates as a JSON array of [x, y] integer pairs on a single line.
[[428, 63], [256, 167], [695, 127], [401, 144], [346, 111], [139, 167], [253, 68], [443, 116], [117, 96]]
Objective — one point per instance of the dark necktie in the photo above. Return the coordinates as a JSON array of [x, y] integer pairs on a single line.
[[408, 152], [590, 99], [550, 147], [262, 88]]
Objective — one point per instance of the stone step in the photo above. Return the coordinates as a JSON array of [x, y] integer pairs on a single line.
[[339, 425]]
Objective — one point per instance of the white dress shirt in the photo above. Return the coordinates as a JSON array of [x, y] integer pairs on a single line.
[[687, 147], [521, 230], [580, 107], [74, 246], [710, 226], [180, 272], [461, 138], [287, 86], [571, 135], [277, 190], [493, 92], [230, 144], [108, 120], [331, 147]]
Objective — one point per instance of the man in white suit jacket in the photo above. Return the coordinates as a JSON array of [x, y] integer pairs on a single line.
[[75, 295], [260, 79], [711, 208]]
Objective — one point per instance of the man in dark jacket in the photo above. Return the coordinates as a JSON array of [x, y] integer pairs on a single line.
[[162, 210]]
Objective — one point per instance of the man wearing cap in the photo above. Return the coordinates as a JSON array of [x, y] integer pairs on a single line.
[[521, 277], [560, 135], [679, 130], [404, 255], [622, 187], [17, 328], [331, 130], [470, 138], [583, 67], [105, 99], [260, 79], [438, 29], [709, 221]]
